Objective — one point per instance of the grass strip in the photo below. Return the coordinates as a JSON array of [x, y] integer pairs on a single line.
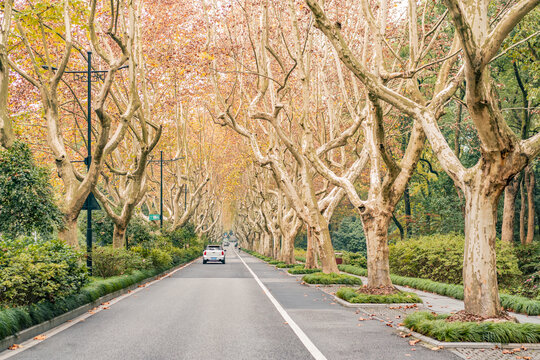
[[350, 295], [424, 322], [13, 320], [297, 270], [513, 303], [332, 278]]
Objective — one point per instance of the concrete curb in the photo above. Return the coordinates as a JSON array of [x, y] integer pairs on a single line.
[[35, 330]]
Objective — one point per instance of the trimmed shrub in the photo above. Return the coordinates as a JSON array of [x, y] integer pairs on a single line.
[[332, 278], [302, 270], [356, 259], [33, 271], [514, 303], [350, 295], [435, 326], [160, 259], [440, 258], [109, 262]]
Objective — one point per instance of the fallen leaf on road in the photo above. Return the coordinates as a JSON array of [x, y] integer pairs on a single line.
[[408, 355], [437, 348], [285, 322], [105, 303], [414, 342], [332, 303], [40, 337], [14, 347], [361, 319], [401, 324], [404, 335], [105, 308], [413, 349]]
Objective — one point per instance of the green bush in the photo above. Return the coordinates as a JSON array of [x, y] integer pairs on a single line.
[[26, 196], [285, 266], [107, 262], [160, 259], [514, 303], [356, 259], [354, 297], [33, 271], [528, 258], [440, 258], [435, 326], [332, 278], [302, 270]]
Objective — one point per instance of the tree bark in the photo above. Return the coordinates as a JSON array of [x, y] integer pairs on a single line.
[[119, 236], [509, 212], [479, 267], [69, 233], [311, 262], [376, 232]]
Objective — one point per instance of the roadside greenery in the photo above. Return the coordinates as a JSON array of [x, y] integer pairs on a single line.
[[332, 278], [440, 258], [44, 270], [435, 326], [350, 295], [297, 270], [26, 197], [514, 303]]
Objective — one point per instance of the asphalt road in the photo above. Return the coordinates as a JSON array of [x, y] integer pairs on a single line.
[[220, 311]]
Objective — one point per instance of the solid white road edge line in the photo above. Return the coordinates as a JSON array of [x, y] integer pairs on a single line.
[[31, 343], [310, 346]]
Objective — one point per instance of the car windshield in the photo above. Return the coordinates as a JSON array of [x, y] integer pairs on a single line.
[[214, 247]]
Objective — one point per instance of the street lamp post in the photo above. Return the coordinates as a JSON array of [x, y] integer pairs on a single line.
[[161, 161], [90, 202]]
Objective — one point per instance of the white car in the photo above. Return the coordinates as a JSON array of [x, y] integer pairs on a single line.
[[214, 253]]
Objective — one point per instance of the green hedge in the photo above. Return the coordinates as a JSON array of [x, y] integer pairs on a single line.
[[302, 270], [354, 297], [436, 327], [440, 258], [32, 271], [514, 303], [13, 320], [332, 278]]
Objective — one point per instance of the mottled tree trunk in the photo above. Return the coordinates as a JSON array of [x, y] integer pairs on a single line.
[[119, 236], [376, 231], [509, 212], [479, 266], [287, 249], [69, 233], [311, 262]]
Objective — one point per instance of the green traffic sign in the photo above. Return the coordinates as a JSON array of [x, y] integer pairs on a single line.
[[153, 217]]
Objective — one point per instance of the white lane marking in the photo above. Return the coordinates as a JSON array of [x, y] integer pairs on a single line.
[[31, 343], [310, 346]]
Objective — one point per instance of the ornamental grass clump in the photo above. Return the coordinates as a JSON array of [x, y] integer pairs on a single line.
[[437, 327], [332, 278], [355, 297]]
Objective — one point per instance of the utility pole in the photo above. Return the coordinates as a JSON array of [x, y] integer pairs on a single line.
[[90, 203], [161, 191], [88, 162]]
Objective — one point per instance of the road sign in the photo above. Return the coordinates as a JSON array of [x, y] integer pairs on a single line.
[[153, 217], [91, 203]]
